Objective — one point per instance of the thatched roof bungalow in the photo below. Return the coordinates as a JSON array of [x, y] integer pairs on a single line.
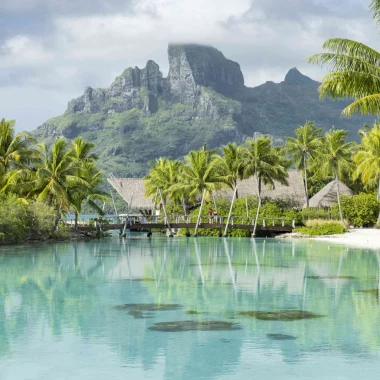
[[294, 192], [327, 196], [128, 186]]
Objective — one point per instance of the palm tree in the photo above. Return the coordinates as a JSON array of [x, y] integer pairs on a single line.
[[77, 194], [368, 160], [302, 148], [55, 176], [334, 158], [231, 165], [163, 175], [16, 151], [355, 72], [199, 177], [266, 163], [82, 150]]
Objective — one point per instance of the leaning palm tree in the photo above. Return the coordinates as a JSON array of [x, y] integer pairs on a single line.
[[355, 72], [231, 165], [368, 161], [303, 147], [16, 151], [334, 158], [267, 164], [199, 177]]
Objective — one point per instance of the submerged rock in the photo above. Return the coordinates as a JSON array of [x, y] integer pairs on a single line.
[[137, 314], [281, 337], [178, 326], [148, 307], [282, 315], [192, 312]]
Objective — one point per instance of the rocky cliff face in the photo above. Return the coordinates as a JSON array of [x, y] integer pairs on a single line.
[[192, 66], [203, 100]]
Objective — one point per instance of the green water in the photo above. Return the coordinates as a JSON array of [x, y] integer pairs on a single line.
[[63, 313]]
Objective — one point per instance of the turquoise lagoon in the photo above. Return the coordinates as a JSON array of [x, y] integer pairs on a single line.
[[63, 313]]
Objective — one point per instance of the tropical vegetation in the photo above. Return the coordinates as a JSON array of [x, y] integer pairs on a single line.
[[322, 157], [40, 184]]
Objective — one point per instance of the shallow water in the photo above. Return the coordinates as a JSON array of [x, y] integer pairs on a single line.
[[66, 313]]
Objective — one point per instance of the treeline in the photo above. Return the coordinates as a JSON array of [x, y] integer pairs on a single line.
[[39, 184], [321, 157]]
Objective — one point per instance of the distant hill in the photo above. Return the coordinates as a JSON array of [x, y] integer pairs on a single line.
[[203, 100]]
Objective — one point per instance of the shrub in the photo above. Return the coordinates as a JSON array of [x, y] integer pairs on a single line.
[[321, 227], [41, 218], [317, 213], [361, 210], [13, 219]]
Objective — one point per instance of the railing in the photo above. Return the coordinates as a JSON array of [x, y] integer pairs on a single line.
[[218, 220], [191, 219]]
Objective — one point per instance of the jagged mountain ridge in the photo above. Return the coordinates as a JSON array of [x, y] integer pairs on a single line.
[[203, 100]]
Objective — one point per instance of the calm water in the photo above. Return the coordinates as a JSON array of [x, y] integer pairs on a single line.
[[59, 317]]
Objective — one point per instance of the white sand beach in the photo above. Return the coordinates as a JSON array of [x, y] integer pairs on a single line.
[[360, 238]]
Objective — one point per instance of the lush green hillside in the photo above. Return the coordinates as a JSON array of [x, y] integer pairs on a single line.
[[203, 100]]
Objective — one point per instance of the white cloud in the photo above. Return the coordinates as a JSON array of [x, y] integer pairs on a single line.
[[20, 51], [89, 47]]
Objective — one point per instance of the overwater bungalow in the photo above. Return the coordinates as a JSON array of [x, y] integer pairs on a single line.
[[132, 190]]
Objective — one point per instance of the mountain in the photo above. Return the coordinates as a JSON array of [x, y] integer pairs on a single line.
[[203, 100]]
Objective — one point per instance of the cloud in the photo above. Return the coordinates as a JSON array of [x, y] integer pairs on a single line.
[[60, 46]]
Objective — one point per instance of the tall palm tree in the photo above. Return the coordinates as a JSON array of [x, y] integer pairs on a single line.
[[57, 173], [355, 72], [163, 175], [303, 147], [16, 151], [231, 165], [199, 177], [266, 163], [78, 194], [334, 158], [368, 160]]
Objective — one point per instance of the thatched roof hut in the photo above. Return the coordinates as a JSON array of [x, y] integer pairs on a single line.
[[294, 192], [128, 186], [327, 196]]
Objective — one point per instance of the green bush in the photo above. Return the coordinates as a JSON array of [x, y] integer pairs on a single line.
[[319, 227], [360, 210], [318, 213], [13, 219], [20, 221], [41, 220]]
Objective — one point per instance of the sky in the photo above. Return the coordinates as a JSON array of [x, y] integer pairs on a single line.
[[50, 50]]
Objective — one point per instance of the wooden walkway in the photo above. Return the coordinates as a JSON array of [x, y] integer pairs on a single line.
[[146, 224]]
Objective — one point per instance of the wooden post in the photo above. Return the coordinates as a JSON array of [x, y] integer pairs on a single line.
[[129, 210], [154, 205], [199, 214], [229, 214], [166, 215]]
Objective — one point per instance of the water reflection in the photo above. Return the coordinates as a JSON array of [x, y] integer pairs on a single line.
[[65, 293]]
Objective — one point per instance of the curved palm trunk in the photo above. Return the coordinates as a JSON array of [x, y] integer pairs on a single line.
[[229, 214], [76, 215], [305, 179], [200, 212], [258, 206], [338, 196]]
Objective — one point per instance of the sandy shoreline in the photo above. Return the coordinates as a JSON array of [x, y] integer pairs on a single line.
[[360, 238]]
